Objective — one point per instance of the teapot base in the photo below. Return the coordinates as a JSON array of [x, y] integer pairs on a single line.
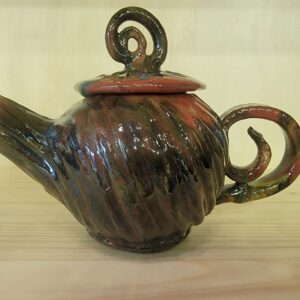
[[150, 246]]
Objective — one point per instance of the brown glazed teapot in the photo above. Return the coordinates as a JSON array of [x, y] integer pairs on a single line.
[[140, 160]]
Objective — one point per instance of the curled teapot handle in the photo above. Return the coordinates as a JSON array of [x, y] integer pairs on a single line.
[[248, 186]]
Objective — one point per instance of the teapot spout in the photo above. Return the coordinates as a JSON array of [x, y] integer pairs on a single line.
[[23, 140]]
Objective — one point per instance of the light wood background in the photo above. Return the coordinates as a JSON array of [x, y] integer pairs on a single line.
[[245, 51], [249, 251]]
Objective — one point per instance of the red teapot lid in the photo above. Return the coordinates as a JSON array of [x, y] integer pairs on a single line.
[[142, 72]]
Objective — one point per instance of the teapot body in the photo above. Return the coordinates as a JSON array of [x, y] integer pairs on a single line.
[[138, 170]]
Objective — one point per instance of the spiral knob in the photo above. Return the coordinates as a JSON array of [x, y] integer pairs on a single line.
[[117, 42]]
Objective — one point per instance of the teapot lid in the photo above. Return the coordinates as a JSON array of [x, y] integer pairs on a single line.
[[142, 72]]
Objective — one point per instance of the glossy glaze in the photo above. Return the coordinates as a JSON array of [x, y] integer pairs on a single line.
[[142, 72], [249, 185], [132, 168], [147, 161], [138, 170]]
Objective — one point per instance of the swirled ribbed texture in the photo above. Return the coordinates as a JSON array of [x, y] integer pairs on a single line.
[[139, 167]]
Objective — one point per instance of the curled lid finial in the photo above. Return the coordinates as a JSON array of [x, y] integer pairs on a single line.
[[142, 72], [117, 42]]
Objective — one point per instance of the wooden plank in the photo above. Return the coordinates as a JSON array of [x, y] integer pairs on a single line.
[[239, 252]]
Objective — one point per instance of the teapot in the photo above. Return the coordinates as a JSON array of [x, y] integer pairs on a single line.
[[141, 158]]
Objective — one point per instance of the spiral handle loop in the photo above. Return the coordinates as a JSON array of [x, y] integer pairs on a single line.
[[249, 185], [117, 43]]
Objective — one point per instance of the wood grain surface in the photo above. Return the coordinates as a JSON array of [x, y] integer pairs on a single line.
[[249, 251]]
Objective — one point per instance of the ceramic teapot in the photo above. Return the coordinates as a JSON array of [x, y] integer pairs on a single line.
[[141, 159]]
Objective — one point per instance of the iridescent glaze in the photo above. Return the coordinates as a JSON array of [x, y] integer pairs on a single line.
[[148, 163], [142, 72], [139, 161], [248, 186]]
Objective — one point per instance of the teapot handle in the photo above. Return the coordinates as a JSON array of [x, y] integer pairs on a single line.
[[247, 186]]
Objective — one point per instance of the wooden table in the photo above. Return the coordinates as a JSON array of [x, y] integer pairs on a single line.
[[249, 251]]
